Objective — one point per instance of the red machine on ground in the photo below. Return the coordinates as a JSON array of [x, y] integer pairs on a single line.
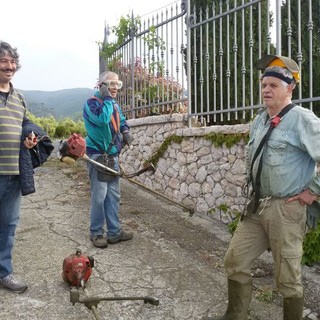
[[76, 271], [77, 268]]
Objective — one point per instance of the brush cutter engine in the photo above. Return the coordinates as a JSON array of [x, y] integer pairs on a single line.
[[77, 269], [74, 147]]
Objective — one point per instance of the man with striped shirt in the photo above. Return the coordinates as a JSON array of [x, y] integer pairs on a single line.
[[12, 114]]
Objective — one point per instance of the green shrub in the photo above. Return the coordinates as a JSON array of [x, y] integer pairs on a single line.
[[311, 246], [58, 128], [232, 226], [234, 215]]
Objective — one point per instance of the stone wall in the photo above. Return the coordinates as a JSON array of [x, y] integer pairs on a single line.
[[193, 169]]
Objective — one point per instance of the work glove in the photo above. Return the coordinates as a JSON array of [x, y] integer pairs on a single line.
[[126, 138]]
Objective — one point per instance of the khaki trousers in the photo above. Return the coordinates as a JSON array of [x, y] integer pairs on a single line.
[[278, 226]]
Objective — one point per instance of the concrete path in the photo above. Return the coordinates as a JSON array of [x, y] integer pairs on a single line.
[[173, 257]]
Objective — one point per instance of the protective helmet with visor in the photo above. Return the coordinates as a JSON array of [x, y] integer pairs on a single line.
[[280, 67]]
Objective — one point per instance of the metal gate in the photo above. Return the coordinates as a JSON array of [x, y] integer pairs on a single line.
[[202, 61]]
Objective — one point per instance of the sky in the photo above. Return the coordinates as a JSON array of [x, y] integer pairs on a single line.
[[57, 40]]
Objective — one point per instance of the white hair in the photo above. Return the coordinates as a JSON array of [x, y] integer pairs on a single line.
[[107, 75], [285, 84]]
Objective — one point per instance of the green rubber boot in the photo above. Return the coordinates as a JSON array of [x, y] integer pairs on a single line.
[[239, 298], [292, 308]]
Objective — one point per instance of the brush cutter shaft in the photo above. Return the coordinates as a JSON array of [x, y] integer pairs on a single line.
[[85, 157], [149, 167], [97, 299], [74, 148], [91, 302]]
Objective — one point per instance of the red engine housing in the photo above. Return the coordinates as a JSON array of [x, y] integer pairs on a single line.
[[76, 144], [76, 268]]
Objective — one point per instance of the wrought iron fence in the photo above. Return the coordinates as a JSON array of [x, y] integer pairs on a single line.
[[202, 60]]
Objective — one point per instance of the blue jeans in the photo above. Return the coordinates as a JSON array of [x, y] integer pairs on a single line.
[[10, 205], [105, 199]]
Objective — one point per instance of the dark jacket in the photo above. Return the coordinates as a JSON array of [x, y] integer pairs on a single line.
[[32, 158]]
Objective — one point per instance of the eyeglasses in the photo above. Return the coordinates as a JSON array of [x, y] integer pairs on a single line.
[[112, 84]]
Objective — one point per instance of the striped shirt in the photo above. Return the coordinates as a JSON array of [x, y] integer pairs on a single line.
[[12, 112]]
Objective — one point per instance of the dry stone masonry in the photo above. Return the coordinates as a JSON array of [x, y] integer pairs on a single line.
[[193, 171]]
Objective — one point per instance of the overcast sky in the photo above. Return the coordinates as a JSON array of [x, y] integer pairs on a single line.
[[57, 40]]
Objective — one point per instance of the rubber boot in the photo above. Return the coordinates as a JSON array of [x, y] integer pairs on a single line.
[[239, 298], [292, 308]]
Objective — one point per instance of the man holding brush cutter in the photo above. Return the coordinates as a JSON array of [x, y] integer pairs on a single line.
[[107, 132]]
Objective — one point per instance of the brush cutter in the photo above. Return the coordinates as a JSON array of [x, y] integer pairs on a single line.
[[74, 148], [76, 270]]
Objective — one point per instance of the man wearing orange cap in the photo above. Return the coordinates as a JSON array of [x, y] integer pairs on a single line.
[[282, 153]]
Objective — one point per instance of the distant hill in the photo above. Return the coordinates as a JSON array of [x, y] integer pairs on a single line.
[[67, 103]]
